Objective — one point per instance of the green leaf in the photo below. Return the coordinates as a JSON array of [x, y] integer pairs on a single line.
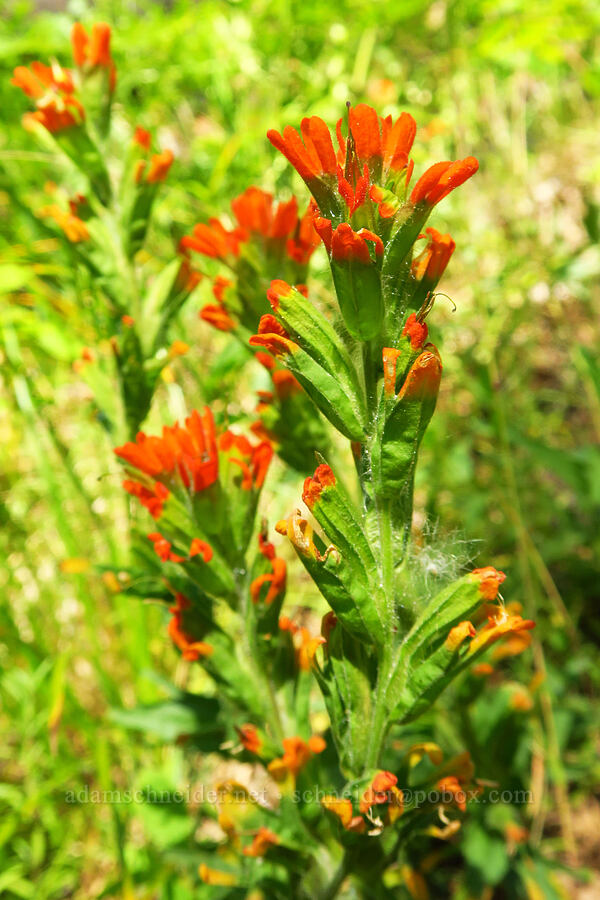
[[328, 395], [188, 715], [358, 289]]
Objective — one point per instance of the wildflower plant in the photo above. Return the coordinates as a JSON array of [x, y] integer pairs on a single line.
[[103, 224], [312, 709], [385, 651]]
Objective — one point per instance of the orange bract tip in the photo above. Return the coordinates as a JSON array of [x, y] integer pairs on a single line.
[[159, 167], [201, 548], [217, 316], [423, 379], [390, 361], [249, 738], [142, 138], [313, 486], [431, 263], [347, 244], [278, 290], [439, 180], [181, 456], [416, 332], [490, 580], [459, 634], [263, 839]]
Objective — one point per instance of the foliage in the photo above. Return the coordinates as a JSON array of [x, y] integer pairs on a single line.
[[510, 457]]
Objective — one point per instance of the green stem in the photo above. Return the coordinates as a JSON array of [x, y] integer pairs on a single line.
[[260, 675], [336, 882], [378, 727]]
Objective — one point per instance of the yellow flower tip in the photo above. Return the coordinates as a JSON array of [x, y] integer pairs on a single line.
[[453, 793], [515, 834], [178, 348], [520, 700], [415, 883], [459, 634], [215, 876], [281, 527], [74, 566], [418, 751], [341, 807], [390, 360], [482, 670], [499, 626]]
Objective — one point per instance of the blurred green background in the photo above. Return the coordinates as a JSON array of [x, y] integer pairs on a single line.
[[510, 471]]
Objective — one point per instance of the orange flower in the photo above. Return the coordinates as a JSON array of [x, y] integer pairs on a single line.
[[430, 264], [378, 142], [199, 547], [346, 244], [263, 839], [153, 498], [253, 459], [162, 548], [340, 807], [390, 360], [190, 648], [354, 197], [276, 579], [249, 737], [219, 288], [307, 646], [93, 51], [497, 627], [296, 754], [142, 138], [513, 645], [415, 331], [160, 164], [278, 289], [387, 202], [273, 337], [459, 634], [214, 240], [300, 533], [257, 216], [37, 80], [423, 379], [490, 580], [187, 455], [440, 179], [217, 317], [380, 139], [75, 229], [255, 213], [304, 241], [56, 114], [313, 158], [454, 791], [313, 486], [383, 790], [215, 876]]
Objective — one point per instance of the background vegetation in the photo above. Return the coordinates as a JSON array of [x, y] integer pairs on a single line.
[[510, 470]]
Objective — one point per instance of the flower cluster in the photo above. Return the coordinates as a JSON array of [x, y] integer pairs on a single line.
[[266, 236]]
